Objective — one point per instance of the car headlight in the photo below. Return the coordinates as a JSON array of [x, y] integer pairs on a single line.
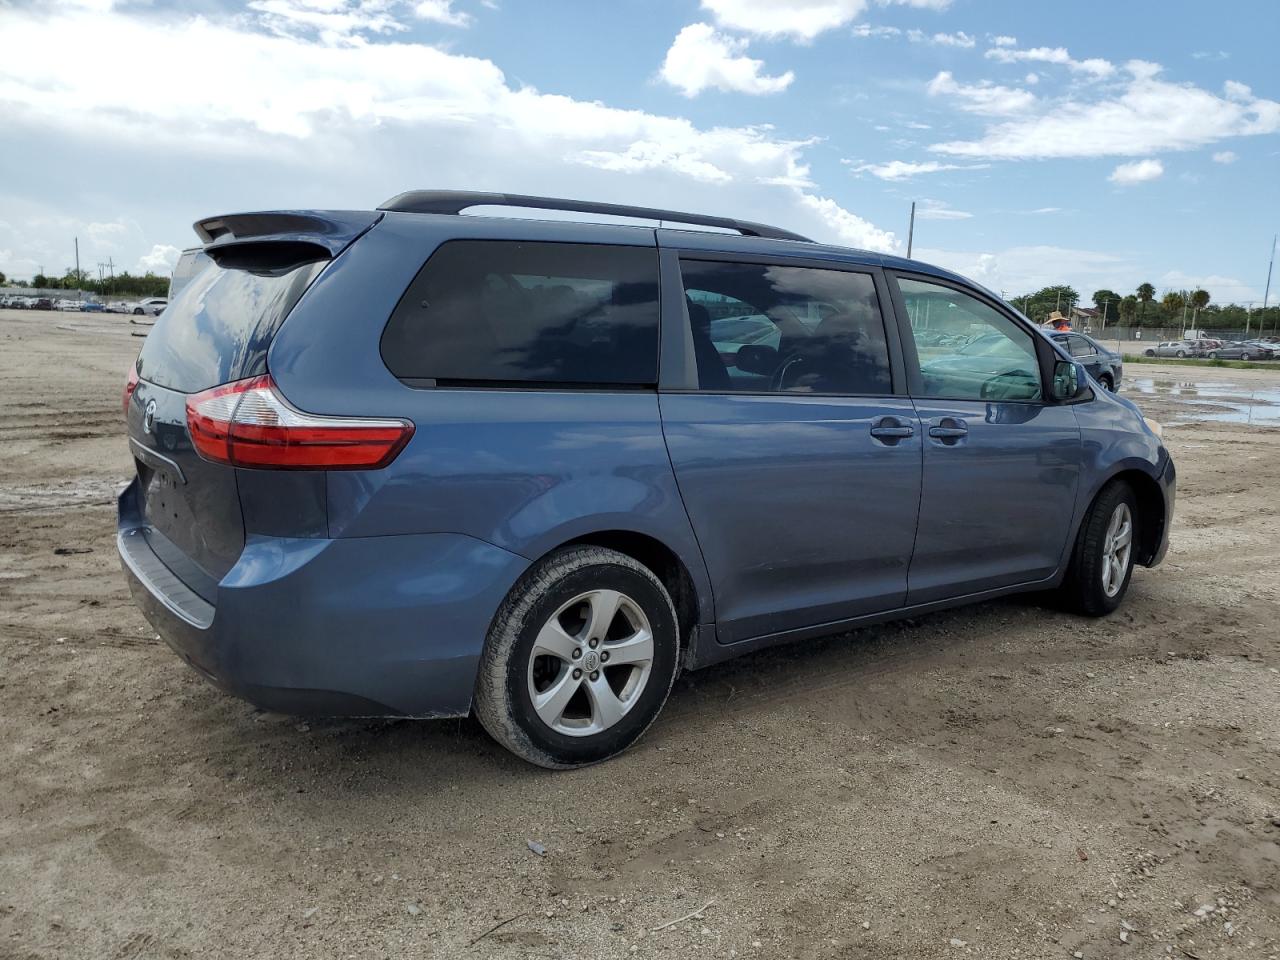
[[1154, 427]]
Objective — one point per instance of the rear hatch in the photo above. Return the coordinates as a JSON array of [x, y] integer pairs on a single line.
[[217, 330]]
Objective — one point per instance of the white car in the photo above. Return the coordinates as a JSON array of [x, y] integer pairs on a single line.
[[151, 307]]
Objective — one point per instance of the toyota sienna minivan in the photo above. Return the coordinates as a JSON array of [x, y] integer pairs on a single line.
[[414, 463]]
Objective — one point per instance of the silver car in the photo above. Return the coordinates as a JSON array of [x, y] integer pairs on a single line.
[[1176, 348]]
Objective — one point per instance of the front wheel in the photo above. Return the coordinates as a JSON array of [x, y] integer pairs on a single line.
[[579, 660], [1106, 383], [1213, 354], [1181, 354], [1246, 356], [1102, 561], [137, 311]]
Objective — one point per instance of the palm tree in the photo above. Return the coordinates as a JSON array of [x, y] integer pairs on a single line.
[[1199, 300], [1173, 303], [1146, 293]]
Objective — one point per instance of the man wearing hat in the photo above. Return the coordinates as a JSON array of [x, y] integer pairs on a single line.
[[1057, 321]]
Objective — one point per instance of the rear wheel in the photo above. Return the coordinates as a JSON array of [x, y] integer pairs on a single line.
[[1102, 561], [1213, 354], [1105, 380], [1181, 354], [1246, 356], [579, 660], [1149, 353]]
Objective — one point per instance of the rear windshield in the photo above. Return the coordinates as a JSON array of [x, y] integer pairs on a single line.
[[495, 312], [220, 325]]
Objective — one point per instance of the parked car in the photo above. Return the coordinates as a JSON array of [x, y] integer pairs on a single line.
[[92, 306], [424, 463], [1263, 349], [1105, 366], [42, 303], [1176, 348], [151, 307]]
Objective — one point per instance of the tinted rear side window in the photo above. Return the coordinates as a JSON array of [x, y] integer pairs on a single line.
[[220, 325], [505, 312]]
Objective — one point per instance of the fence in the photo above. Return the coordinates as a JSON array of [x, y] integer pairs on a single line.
[[1158, 334]]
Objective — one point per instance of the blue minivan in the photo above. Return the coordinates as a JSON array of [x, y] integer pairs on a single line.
[[407, 462]]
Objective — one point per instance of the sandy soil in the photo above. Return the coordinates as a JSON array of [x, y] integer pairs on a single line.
[[1003, 781]]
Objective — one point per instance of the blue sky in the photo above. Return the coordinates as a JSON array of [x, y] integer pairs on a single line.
[[1101, 144]]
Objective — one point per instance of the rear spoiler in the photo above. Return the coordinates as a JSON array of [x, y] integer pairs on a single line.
[[304, 234]]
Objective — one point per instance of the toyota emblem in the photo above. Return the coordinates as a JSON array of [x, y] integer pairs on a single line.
[[149, 417]]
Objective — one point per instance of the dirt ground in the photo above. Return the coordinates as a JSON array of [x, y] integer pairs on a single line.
[[1001, 781]]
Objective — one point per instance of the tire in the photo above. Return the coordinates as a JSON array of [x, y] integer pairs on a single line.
[[1246, 356], [1181, 354], [1149, 353], [564, 589], [1106, 383], [137, 311], [1213, 354], [1084, 590]]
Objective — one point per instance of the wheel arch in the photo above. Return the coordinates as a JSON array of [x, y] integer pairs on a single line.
[[1152, 509], [665, 563]]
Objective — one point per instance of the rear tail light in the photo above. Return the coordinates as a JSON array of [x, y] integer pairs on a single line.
[[249, 424], [130, 385]]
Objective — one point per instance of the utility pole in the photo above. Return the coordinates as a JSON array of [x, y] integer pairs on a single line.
[[1266, 296], [77, 265], [911, 229]]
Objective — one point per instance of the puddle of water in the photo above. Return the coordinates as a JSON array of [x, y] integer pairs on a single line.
[[1212, 401]]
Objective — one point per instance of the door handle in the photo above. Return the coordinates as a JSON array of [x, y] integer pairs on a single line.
[[948, 429], [891, 430]]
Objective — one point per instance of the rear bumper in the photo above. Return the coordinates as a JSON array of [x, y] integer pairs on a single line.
[[374, 626]]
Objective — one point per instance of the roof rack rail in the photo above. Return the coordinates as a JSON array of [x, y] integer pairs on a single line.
[[455, 201]]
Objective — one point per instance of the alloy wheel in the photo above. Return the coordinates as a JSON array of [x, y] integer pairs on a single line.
[[590, 663], [1117, 549]]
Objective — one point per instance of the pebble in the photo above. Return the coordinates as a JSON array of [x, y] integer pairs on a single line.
[[866, 925], [413, 909], [957, 942]]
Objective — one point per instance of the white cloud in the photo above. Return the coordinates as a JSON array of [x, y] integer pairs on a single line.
[[937, 210], [1057, 55], [1223, 289], [1139, 171], [1225, 156], [1211, 55], [1044, 210], [867, 30], [847, 227], [984, 97], [800, 20], [160, 260], [1004, 41], [700, 58], [298, 120], [1024, 269], [1146, 116], [441, 11], [905, 170], [1031, 78], [957, 39], [332, 21]]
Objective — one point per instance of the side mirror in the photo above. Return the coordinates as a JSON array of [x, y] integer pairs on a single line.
[[1069, 381]]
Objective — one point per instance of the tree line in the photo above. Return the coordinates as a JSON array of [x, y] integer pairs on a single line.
[[1184, 309], [123, 284]]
